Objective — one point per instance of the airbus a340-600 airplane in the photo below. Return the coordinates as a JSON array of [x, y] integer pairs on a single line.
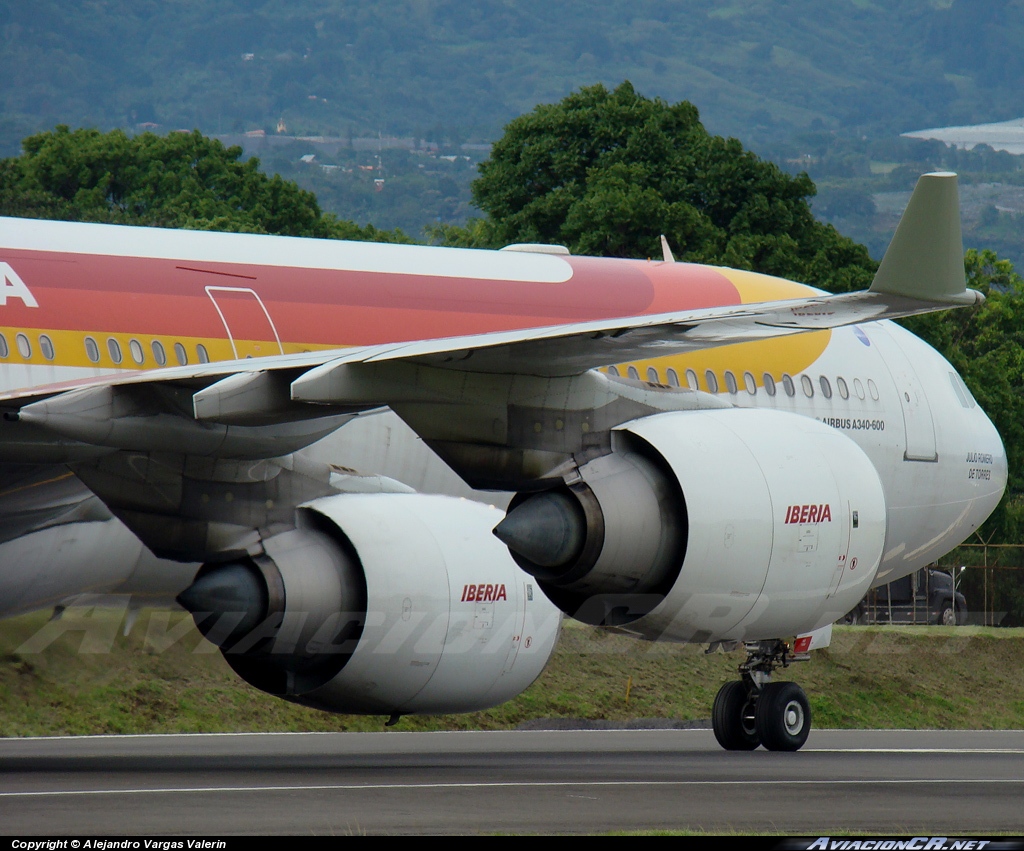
[[696, 454]]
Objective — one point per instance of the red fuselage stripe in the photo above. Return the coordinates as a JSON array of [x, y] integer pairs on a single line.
[[332, 307]]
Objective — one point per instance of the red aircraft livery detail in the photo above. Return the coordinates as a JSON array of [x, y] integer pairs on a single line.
[[339, 307], [821, 513], [483, 593]]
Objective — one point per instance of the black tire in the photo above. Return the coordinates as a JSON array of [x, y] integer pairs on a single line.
[[783, 718], [948, 615], [732, 717], [854, 617]]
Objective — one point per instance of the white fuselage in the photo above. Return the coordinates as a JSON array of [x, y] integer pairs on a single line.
[[939, 458]]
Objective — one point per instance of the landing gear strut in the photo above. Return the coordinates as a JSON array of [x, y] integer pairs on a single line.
[[754, 711]]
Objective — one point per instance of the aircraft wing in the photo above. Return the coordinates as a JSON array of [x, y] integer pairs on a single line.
[[559, 350], [572, 348], [290, 392], [575, 348], [921, 272]]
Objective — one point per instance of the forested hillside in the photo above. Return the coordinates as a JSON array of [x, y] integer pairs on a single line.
[[456, 70]]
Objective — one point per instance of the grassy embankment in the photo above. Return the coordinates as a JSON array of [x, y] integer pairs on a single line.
[[924, 677]]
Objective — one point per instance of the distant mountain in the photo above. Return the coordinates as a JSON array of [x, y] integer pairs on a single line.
[[457, 70]]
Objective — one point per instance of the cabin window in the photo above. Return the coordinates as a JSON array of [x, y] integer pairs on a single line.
[[114, 348], [202, 354], [749, 383], [826, 388], [652, 375], [730, 382], [180, 354], [159, 355], [691, 380], [967, 390], [46, 346], [633, 373], [844, 391], [959, 393], [769, 384], [673, 377], [873, 389], [808, 385], [92, 351], [961, 390], [4, 351], [858, 388], [613, 370], [712, 381], [24, 346], [138, 355], [788, 385]]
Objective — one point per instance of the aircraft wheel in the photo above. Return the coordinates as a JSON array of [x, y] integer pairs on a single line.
[[783, 718], [732, 717]]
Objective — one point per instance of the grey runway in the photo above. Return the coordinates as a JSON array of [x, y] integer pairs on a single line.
[[893, 782]]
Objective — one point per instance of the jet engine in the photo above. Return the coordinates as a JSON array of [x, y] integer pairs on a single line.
[[380, 604], [726, 524]]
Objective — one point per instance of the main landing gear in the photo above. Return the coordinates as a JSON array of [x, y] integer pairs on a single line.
[[754, 711]]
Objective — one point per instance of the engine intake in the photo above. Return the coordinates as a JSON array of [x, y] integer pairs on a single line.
[[286, 621], [380, 604], [614, 539], [708, 525]]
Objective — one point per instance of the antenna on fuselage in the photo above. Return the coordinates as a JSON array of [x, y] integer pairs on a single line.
[[666, 252]]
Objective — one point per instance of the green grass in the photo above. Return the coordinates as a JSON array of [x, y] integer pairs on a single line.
[[888, 677]]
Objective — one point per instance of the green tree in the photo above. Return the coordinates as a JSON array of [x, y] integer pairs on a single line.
[[182, 180], [606, 172]]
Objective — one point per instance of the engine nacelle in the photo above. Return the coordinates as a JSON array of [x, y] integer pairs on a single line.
[[709, 525], [381, 604]]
